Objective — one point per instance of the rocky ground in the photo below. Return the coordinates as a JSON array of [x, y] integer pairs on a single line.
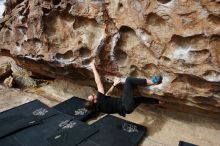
[[165, 127]]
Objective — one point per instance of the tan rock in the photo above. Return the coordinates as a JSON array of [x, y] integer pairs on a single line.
[[176, 38]]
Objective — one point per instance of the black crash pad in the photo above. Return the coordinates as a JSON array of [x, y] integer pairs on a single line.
[[61, 123], [72, 137], [35, 108], [24, 116], [114, 131], [15, 123], [75, 107], [9, 141], [182, 143]]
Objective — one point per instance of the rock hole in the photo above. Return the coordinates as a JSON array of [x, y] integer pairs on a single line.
[[67, 17], [40, 56], [127, 41], [191, 49], [200, 55], [195, 81], [26, 12], [37, 43], [159, 25], [120, 56], [22, 29], [66, 56], [80, 42], [76, 24], [120, 5], [80, 22], [125, 29], [46, 11], [214, 19], [9, 28], [165, 59], [56, 2], [12, 4], [63, 3], [5, 52], [7, 34], [155, 20], [181, 41], [68, 7], [87, 61], [84, 52], [164, 1], [206, 100], [49, 22], [136, 72]]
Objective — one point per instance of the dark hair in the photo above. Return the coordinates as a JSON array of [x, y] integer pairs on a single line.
[[89, 105], [160, 79]]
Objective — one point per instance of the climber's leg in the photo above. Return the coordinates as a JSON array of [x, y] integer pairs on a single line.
[[127, 98]]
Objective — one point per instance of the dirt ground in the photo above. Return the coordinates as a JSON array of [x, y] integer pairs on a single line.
[[165, 127]]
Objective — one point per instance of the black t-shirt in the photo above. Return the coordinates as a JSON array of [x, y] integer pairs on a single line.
[[109, 105]]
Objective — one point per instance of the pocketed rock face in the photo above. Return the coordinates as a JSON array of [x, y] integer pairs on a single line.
[[179, 39]]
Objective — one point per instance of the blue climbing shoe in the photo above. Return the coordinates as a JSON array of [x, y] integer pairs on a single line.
[[155, 79]]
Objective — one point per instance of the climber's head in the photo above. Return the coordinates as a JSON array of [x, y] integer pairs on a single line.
[[157, 79], [91, 101], [92, 98]]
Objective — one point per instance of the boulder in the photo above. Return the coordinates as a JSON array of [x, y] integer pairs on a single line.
[[176, 38]]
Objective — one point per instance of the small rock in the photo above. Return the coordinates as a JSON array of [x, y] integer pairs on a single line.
[[9, 82], [24, 81], [5, 70]]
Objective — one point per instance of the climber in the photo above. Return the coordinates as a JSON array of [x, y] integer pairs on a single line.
[[127, 103]]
